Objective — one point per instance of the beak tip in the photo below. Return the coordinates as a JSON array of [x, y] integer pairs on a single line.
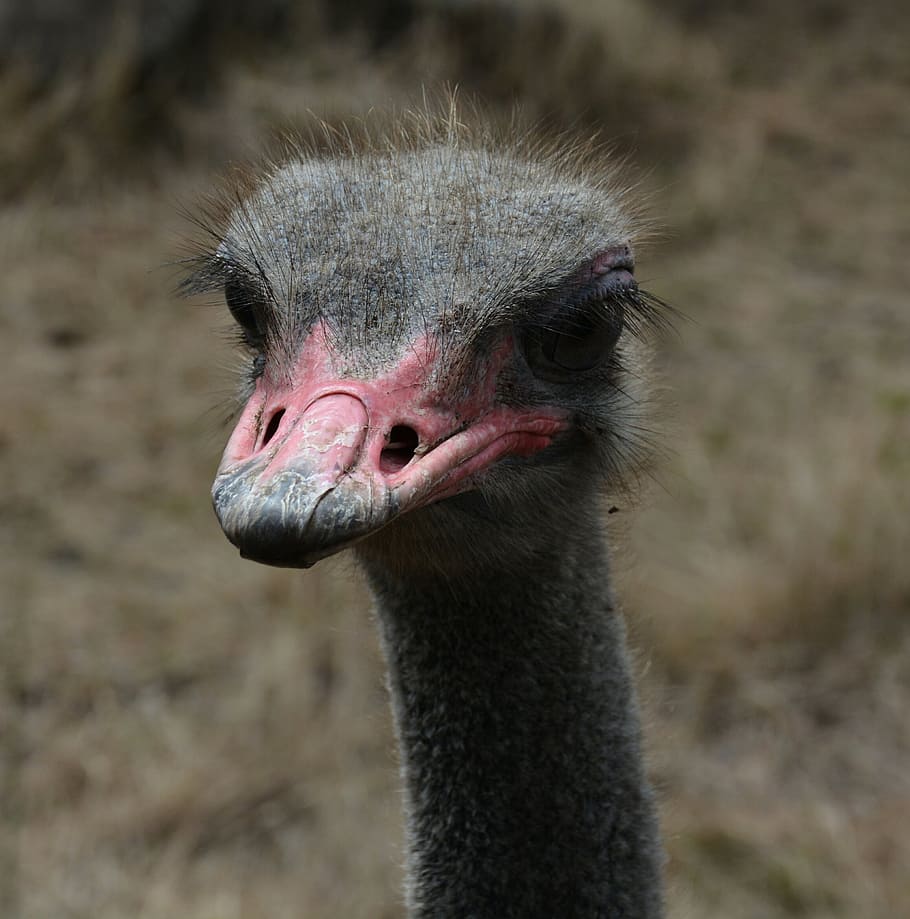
[[286, 522]]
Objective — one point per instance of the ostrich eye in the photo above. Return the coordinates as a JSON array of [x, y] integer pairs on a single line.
[[582, 342], [243, 304]]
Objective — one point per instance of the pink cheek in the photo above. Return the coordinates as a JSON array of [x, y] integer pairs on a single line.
[[528, 444], [409, 397]]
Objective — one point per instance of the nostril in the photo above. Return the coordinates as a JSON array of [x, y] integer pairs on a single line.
[[271, 428], [399, 451]]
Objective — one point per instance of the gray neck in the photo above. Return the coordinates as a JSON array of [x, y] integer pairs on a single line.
[[519, 740]]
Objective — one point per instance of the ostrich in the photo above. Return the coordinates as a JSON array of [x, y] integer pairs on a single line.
[[446, 361]]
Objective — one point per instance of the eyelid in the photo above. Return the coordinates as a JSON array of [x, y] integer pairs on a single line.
[[245, 306], [584, 314]]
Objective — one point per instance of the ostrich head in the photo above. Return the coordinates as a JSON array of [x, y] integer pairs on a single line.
[[445, 352]]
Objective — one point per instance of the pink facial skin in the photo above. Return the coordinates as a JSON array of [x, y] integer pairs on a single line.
[[328, 435]]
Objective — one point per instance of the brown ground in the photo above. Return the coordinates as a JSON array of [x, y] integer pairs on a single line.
[[183, 734]]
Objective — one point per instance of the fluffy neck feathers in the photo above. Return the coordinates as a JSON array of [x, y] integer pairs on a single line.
[[519, 740]]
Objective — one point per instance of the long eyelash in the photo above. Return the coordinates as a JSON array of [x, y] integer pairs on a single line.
[[647, 313], [563, 314]]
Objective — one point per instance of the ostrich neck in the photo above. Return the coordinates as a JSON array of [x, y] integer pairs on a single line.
[[519, 736]]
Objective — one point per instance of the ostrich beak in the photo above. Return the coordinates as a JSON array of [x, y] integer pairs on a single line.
[[315, 466]]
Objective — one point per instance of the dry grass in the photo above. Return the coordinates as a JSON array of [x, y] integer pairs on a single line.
[[187, 735]]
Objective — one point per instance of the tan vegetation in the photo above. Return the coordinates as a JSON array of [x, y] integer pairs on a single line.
[[185, 734]]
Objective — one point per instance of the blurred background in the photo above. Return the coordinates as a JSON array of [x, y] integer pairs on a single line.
[[183, 734]]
